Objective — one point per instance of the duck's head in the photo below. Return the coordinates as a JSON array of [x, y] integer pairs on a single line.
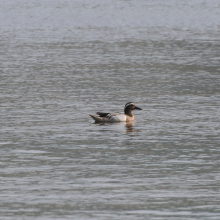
[[129, 107]]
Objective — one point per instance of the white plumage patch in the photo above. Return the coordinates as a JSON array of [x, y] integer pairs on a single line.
[[131, 103]]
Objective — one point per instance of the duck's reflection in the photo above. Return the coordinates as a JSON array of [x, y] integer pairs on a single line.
[[128, 125]]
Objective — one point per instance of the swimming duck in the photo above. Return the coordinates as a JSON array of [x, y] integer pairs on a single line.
[[117, 117]]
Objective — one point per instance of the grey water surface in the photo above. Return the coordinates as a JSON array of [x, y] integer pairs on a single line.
[[62, 60]]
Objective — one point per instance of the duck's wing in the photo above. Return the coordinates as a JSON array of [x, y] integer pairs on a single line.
[[99, 119], [102, 114], [107, 117], [116, 117]]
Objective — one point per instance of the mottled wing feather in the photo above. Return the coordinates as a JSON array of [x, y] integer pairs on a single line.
[[99, 119], [109, 116], [116, 117]]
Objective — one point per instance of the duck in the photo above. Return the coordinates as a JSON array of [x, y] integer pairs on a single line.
[[117, 117]]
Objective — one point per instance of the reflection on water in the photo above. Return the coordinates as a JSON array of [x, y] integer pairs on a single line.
[[60, 60], [129, 126]]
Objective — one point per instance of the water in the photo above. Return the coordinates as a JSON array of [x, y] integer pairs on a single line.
[[63, 60]]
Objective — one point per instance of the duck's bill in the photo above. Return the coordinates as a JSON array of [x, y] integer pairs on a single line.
[[137, 108]]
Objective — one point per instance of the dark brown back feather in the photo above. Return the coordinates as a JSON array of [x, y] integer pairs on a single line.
[[102, 114]]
